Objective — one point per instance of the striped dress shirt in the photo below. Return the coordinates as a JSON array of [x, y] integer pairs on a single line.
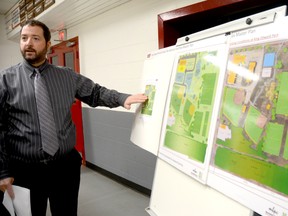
[[19, 125]]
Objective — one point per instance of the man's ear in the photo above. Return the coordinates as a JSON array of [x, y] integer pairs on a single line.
[[48, 45]]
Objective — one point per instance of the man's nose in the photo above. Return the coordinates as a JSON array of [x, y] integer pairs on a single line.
[[29, 41]]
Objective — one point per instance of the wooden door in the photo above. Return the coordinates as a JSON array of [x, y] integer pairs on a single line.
[[66, 54]]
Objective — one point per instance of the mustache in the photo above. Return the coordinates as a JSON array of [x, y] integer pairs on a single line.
[[29, 49]]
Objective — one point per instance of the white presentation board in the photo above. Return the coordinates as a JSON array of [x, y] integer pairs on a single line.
[[174, 192]]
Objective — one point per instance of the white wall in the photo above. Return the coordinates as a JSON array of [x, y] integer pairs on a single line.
[[9, 51]]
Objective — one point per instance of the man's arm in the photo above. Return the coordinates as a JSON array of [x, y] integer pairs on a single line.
[[3, 155], [6, 180], [94, 94]]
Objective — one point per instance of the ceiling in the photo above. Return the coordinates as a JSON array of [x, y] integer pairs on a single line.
[[5, 5], [65, 13]]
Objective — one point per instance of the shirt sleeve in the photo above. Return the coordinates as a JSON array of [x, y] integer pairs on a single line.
[[94, 94], [4, 160]]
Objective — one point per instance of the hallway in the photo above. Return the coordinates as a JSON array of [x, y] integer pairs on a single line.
[[101, 196]]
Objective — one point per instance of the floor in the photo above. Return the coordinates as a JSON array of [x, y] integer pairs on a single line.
[[101, 196]]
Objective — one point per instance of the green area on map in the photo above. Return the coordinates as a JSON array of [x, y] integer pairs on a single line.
[[252, 140]]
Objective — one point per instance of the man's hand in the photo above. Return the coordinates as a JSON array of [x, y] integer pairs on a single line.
[[6, 184], [137, 98]]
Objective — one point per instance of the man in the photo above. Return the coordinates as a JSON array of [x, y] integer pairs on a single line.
[[50, 171]]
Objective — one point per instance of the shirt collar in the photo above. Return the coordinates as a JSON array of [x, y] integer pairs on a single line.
[[30, 69]]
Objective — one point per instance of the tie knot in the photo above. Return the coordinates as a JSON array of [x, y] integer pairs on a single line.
[[36, 71]]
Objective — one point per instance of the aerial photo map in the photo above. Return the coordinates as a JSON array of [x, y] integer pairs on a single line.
[[252, 141], [191, 104]]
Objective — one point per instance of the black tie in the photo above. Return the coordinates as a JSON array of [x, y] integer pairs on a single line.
[[45, 115]]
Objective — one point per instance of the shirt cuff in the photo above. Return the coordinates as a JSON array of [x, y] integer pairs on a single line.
[[122, 98]]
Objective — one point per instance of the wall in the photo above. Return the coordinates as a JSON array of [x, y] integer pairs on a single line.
[[107, 145], [10, 51]]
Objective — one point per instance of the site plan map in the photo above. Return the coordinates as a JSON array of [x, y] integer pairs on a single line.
[[190, 107], [252, 137]]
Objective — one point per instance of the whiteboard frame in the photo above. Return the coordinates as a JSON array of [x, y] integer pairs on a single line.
[[261, 18]]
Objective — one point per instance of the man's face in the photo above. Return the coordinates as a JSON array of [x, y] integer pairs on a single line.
[[33, 45]]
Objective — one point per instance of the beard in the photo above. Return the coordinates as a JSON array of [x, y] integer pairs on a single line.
[[32, 56]]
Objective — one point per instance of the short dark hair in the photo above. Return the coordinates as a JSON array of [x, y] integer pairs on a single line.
[[46, 31]]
